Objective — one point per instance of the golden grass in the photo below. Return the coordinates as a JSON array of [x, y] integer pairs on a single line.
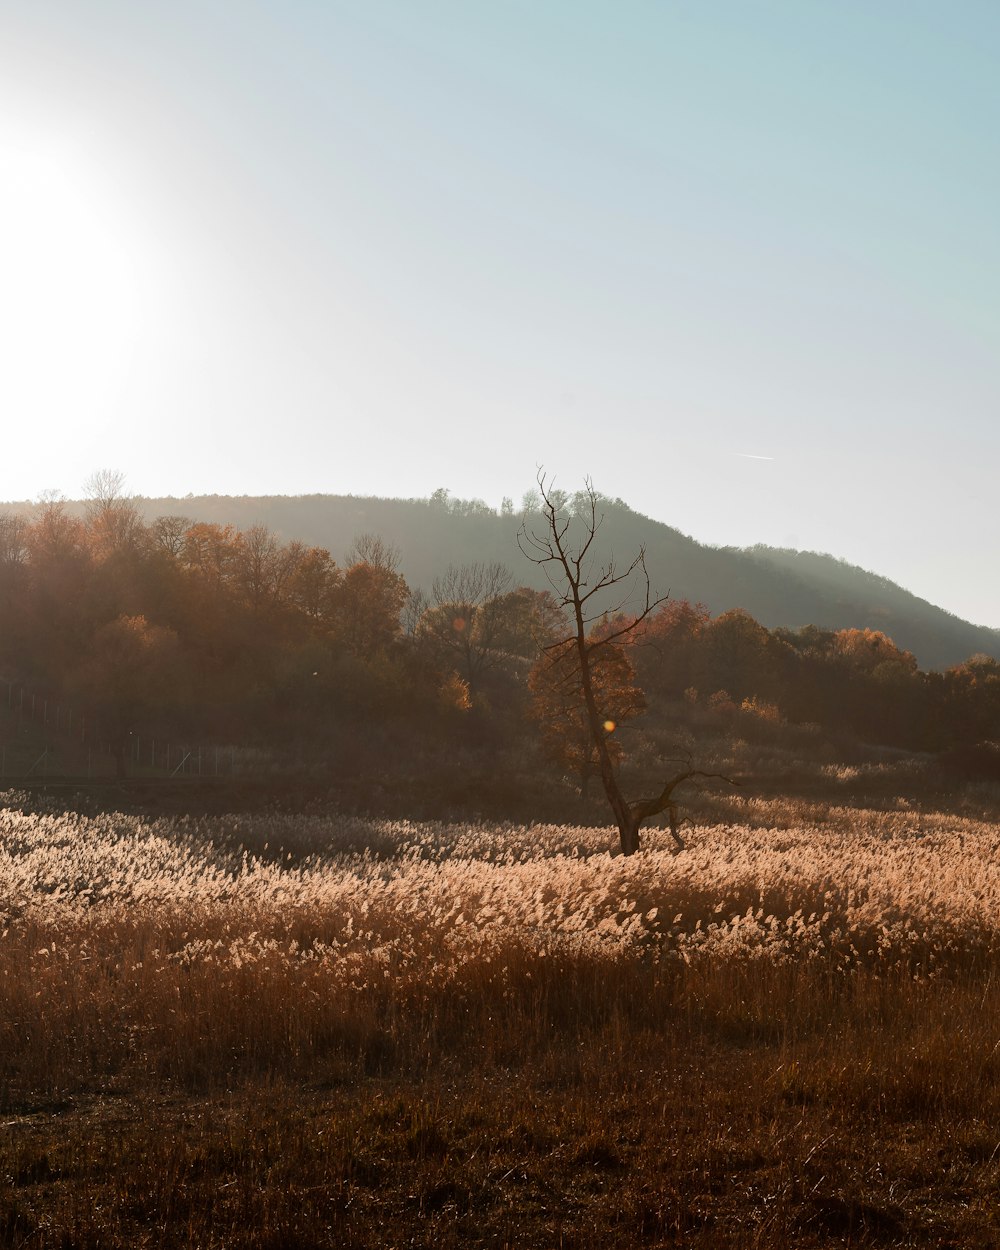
[[369, 1011]]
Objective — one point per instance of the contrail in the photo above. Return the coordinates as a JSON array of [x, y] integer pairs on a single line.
[[747, 455]]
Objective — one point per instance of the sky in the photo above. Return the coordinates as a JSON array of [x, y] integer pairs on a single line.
[[737, 261]]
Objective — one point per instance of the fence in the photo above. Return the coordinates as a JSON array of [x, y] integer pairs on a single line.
[[42, 736]]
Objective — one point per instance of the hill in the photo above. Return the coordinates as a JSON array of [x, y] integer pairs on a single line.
[[777, 587]]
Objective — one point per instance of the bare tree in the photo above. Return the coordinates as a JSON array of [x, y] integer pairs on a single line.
[[114, 520], [590, 591], [265, 566], [104, 487], [372, 549], [168, 533], [414, 608], [13, 540], [468, 615], [55, 537]]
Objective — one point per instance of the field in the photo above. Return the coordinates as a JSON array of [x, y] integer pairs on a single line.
[[297, 1031]]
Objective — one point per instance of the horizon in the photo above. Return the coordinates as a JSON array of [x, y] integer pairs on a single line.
[[736, 262]]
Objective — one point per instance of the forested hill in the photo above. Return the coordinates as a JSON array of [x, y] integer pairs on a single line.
[[777, 587]]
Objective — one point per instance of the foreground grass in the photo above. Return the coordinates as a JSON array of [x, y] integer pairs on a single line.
[[395, 1035]]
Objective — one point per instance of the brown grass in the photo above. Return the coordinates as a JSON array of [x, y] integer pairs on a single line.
[[388, 1034]]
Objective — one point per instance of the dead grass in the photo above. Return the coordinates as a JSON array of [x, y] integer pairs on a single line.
[[395, 1034]]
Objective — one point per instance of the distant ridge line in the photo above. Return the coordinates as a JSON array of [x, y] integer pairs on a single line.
[[777, 586]]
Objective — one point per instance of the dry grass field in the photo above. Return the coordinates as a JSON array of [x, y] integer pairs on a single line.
[[266, 1031]]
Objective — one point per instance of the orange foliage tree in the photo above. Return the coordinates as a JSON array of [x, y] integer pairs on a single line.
[[559, 707], [872, 652]]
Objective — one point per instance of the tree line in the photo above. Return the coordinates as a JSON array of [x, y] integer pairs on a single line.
[[177, 626], [856, 681]]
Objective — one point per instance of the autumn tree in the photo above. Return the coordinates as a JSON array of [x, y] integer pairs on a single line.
[[529, 621], [56, 537], [114, 522], [564, 548], [370, 597], [313, 585], [971, 699], [467, 616], [667, 646], [60, 576], [133, 671], [167, 534], [559, 708], [264, 567], [210, 552], [872, 652], [14, 587], [207, 607], [13, 540], [736, 654], [373, 550]]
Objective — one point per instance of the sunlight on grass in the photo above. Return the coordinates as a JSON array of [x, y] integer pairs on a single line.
[[372, 1007], [160, 946]]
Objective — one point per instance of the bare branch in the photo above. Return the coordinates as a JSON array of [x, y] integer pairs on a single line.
[[643, 809], [577, 581], [374, 550]]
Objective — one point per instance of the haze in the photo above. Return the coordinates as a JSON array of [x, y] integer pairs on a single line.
[[737, 261]]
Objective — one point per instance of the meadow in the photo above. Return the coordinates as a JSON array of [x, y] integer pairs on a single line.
[[265, 1030]]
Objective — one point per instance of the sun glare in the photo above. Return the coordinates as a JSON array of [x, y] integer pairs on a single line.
[[70, 285]]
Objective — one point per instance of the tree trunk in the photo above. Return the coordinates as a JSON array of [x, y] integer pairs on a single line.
[[555, 548], [628, 830]]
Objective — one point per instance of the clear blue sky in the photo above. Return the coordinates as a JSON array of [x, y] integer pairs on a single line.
[[738, 261]]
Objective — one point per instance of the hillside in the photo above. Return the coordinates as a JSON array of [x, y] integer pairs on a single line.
[[778, 587], [935, 636]]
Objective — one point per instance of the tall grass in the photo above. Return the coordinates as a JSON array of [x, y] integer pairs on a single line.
[[261, 1031], [136, 950]]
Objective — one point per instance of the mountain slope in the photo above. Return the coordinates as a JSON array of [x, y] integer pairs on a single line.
[[778, 587]]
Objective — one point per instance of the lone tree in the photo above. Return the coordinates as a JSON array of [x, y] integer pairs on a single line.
[[584, 586], [559, 710]]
